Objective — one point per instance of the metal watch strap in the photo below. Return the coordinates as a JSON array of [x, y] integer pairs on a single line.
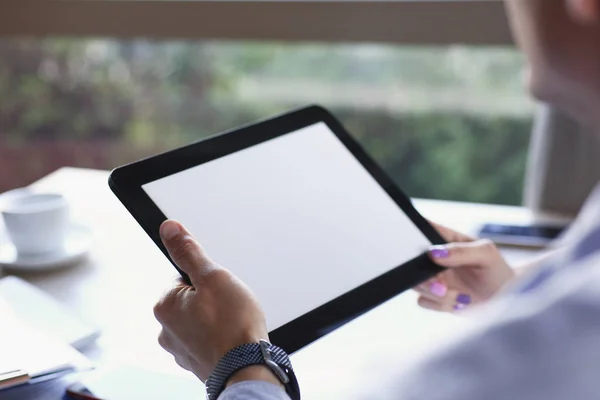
[[263, 353]]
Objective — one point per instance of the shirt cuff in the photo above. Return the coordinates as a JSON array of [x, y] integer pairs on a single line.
[[254, 390]]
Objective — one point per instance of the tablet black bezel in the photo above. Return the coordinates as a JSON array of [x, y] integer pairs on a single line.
[[126, 182]]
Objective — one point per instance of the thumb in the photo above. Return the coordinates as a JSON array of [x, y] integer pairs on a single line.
[[480, 253], [185, 251]]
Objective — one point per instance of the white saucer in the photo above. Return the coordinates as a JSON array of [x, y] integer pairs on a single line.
[[77, 244]]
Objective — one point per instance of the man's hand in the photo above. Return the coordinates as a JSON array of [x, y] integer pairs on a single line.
[[201, 323]]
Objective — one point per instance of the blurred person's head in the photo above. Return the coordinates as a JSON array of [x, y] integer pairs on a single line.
[[561, 39]]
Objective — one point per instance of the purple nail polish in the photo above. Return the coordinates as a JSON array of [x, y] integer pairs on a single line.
[[463, 299], [439, 252], [459, 306], [438, 289]]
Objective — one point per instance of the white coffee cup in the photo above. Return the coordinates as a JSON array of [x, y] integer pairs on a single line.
[[36, 223]]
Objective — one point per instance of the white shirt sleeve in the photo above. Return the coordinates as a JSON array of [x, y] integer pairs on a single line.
[[254, 390], [539, 345]]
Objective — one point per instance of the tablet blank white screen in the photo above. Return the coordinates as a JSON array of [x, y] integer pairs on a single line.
[[297, 218]]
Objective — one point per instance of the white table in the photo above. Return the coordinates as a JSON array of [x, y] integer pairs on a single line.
[[117, 286]]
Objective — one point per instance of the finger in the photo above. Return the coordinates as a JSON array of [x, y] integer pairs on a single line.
[[440, 278], [185, 251], [182, 364], [482, 253], [165, 340], [434, 290], [430, 281], [429, 304], [450, 235], [169, 304], [173, 347], [463, 301], [438, 293], [426, 293], [179, 282], [453, 301]]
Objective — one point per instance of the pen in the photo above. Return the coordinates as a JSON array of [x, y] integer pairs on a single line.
[[13, 378], [50, 375]]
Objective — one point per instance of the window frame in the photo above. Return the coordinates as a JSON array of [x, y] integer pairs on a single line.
[[413, 22]]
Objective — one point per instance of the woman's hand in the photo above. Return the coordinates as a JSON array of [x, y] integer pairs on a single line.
[[201, 323], [476, 272]]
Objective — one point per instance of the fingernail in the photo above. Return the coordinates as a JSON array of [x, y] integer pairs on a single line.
[[438, 289], [169, 230], [439, 252], [463, 299], [459, 306]]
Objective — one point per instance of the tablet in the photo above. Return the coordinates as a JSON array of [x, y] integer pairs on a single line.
[[296, 209]]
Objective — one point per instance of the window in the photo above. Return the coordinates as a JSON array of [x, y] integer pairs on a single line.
[[449, 122], [430, 88]]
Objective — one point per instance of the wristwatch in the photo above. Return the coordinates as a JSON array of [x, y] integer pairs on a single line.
[[262, 353]]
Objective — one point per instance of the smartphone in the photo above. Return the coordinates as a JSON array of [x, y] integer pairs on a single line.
[[535, 235]]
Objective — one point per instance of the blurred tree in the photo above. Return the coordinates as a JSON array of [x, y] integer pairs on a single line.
[[113, 102], [448, 156], [50, 90]]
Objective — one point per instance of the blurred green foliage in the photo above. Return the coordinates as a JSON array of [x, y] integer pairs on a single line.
[[148, 97], [448, 156]]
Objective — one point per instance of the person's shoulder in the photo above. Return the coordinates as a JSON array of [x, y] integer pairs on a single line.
[[587, 219], [572, 287]]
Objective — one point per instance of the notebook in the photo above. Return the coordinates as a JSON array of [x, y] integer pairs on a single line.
[[130, 382], [44, 313], [28, 355]]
